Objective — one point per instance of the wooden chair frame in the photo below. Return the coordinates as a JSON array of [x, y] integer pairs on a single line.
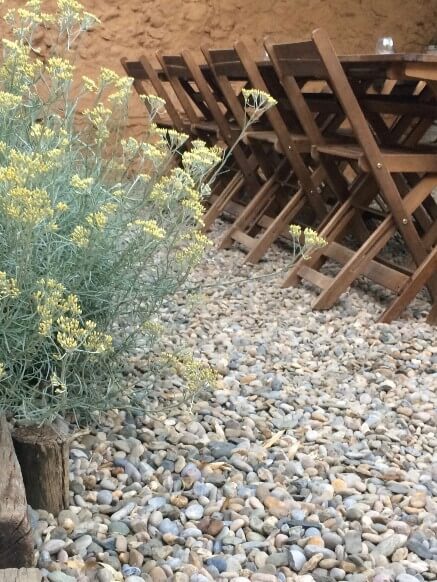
[[142, 70], [228, 65], [378, 166]]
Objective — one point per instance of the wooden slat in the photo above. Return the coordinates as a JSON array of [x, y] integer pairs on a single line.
[[381, 274], [243, 238], [342, 151], [314, 277], [405, 162]]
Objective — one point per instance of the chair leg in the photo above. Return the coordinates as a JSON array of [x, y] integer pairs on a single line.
[[415, 284], [432, 316], [262, 197], [222, 200], [276, 227], [356, 265], [338, 223]]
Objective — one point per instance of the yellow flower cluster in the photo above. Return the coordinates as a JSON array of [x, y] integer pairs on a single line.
[[25, 19], [200, 159], [118, 193], [154, 154], [89, 84], [130, 147], [8, 286], [60, 69], [295, 231], [9, 101], [122, 94], [108, 76], [30, 206], [97, 342], [197, 375], [150, 227], [61, 206], [258, 99], [155, 104], [152, 328], [70, 6], [2, 370], [97, 219], [311, 239], [49, 301], [173, 138], [81, 183], [99, 117], [72, 335], [60, 314], [71, 12], [69, 334], [192, 202], [24, 165], [39, 131], [196, 243], [17, 68], [80, 236]]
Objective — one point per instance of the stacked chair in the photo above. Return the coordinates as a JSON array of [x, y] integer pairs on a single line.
[[342, 152]]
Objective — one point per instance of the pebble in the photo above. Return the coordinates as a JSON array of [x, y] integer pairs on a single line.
[[297, 559], [194, 511], [104, 497], [389, 545]]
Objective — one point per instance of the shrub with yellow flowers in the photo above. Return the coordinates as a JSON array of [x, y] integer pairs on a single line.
[[96, 229]]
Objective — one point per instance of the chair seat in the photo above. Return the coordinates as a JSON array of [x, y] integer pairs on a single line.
[[301, 141], [164, 122], [395, 160], [206, 126]]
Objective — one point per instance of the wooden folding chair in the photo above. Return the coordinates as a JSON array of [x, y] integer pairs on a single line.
[[248, 176], [319, 114], [201, 112], [201, 123], [142, 71], [291, 187], [385, 168]]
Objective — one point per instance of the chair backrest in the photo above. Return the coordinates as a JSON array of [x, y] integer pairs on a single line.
[[284, 58], [210, 95], [285, 139], [227, 68], [300, 59], [143, 71], [180, 79]]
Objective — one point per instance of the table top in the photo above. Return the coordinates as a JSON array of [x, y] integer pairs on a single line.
[[390, 58], [359, 64]]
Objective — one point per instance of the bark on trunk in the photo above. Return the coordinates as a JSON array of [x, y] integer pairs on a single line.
[[43, 456], [16, 543]]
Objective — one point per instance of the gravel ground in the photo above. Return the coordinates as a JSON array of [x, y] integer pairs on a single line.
[[313, 460]]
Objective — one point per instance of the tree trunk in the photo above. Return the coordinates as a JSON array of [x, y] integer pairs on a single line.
[[43, 456], [16, 543], [22, 575]]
